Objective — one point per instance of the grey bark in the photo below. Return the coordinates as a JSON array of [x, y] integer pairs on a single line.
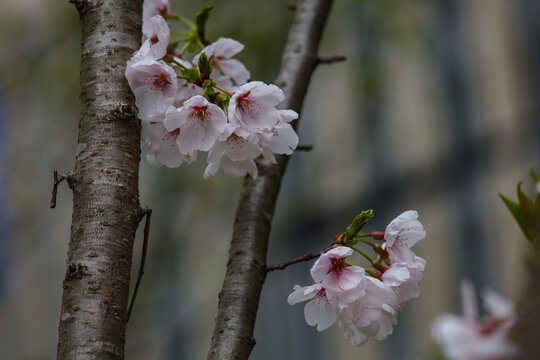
[[106, 209], [246, 268]]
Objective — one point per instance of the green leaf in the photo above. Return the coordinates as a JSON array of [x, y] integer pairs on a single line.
[[357, 225], [191, 75], [531, 217], [204, 66], [515, 210]]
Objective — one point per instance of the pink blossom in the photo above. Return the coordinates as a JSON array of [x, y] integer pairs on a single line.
[[404, 231], [155, 48], [160, 145], [226, 72], [152, 8], [161, 41], [468, 338], [234, 154], [319, 311], [154, 85], [200, 123], [281, 139], [404, 278], [253, 106], [406, 269], [373, 315], [366, 307], [333, 273]]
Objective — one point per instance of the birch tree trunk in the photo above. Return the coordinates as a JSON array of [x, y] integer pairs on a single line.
[[106, 209], [246, 268]]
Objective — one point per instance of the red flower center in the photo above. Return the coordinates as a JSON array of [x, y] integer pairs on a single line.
[[161, 81], [243, 101], [337, 265], [200, 111]]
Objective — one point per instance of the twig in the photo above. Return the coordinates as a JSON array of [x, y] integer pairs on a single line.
[[306, 257], [331, 59], [57, 179], [304, 147], [148, 214]]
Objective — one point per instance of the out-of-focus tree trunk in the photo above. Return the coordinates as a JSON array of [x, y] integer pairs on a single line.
[[106, 209], [246, 268]]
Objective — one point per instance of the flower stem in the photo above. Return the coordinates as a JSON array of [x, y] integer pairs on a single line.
[[184, 19], [216, 86], [184, 48], [362, 253], [374, 246]]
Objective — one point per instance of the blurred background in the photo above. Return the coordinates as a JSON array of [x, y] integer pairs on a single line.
[[436, 109]]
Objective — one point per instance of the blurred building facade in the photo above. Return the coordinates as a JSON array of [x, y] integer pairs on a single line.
[[436, 110]]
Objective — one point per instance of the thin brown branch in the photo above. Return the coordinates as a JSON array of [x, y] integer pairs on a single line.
[[246, 267], [57, 179], [331, 59], [148, 214], [304, 147], [306, 257]]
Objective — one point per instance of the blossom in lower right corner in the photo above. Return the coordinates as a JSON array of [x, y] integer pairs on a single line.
[[466, 337]]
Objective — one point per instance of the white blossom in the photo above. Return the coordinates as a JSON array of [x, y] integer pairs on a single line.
[[154, 85], [319, 311], [200, 123], [253, 106], [152, 8], [160, 145], [281, 139], [226, 72], [466, 337], [234, 154]]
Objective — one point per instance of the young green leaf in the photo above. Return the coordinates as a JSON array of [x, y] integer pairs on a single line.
[[531, 217], [357, 225], [204, 66]]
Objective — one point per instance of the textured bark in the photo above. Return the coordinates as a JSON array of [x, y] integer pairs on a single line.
[[246, 268], [106, 209]]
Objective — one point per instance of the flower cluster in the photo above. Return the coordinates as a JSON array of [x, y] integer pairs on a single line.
[[365, 302], [468, 338], [203, 105]]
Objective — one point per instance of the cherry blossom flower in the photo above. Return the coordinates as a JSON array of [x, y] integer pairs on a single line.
[[152, 8], [200, 123], [401, 234], [365, 306], [160, 145], [319, 311], [333, 273], [154, 85], [468, 338], [234, 154], [253, 106], [404, 278], [226, 72], [281, 139], [406, 269], [161, 40], [373, 315]]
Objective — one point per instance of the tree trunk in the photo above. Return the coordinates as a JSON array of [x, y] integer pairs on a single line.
[[246, 268], [106, 209]]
